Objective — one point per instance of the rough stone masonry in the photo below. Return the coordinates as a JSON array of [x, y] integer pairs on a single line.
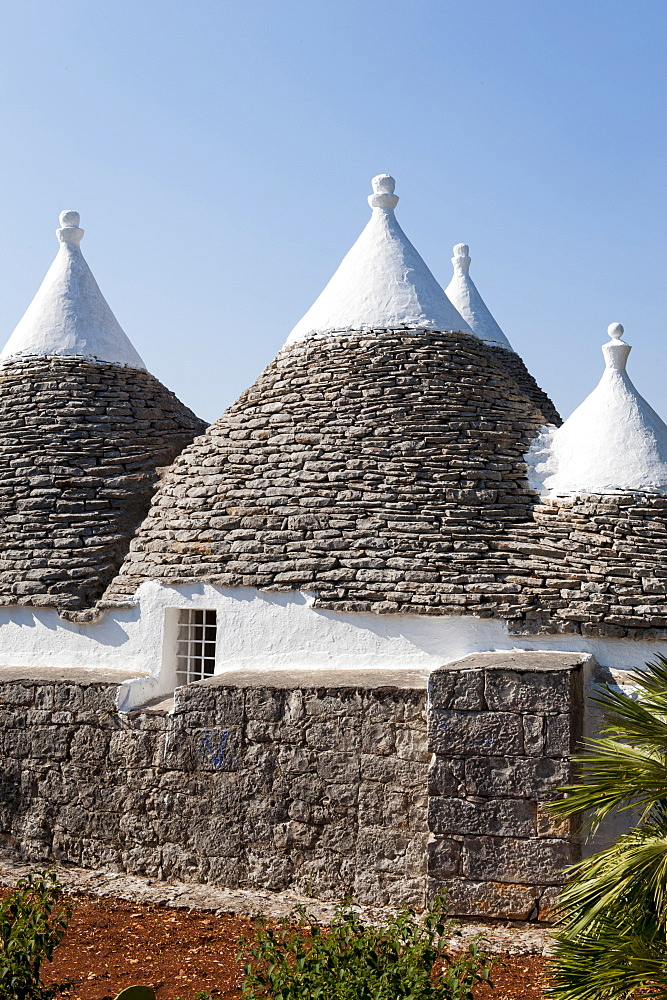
[[379, 785]]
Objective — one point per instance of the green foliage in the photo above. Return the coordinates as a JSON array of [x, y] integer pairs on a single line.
[[350, 960], [612, 940], [136, 993], [33, 921]]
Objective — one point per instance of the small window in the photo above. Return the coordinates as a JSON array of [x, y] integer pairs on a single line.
[[195, 649]]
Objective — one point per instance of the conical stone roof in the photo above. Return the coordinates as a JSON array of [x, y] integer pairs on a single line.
[[462, 293], [378, 469], [81, 442], [69, 316], [614, 441], [382, 282]]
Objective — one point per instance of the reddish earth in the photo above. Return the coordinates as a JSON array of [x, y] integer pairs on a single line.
[[112, 944]]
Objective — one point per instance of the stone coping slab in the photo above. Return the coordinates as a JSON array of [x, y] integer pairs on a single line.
[[68, 675], [299, 678], [534, 660]]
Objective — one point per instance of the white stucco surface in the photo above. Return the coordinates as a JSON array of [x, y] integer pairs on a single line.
[[613, 441], [381, 283], [462, 293], [263, 632], [69, 316]]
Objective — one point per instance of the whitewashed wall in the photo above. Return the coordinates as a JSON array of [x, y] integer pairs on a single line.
[[262, 631]]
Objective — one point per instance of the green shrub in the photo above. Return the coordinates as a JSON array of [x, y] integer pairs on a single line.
[[350, 960], [33, 921]]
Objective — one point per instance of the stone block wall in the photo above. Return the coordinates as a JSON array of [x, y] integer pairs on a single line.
[[318, 789], [502, 728], [354, 788]]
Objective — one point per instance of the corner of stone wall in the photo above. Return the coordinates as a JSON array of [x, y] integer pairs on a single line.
[[501, 741]]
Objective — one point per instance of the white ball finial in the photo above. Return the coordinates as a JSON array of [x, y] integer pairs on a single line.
[[615, 331], [383, 192], [70, 218], [461, 250], [69, 231]]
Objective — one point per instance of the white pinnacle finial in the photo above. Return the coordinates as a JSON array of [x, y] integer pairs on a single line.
[[462, 293], [383, 192], [69, 231], [461, 258], [616, 351], [69, 316]]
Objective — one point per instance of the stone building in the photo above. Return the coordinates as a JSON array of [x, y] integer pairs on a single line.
[[347, 646]]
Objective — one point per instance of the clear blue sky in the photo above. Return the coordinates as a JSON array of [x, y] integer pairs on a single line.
[[220, 154]]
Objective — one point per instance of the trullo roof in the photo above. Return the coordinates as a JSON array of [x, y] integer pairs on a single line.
[[462, 293], [614, 441], [382, 282], [69, 316], [84, 429]]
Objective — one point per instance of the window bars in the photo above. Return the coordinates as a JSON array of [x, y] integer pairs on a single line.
[[195, 650]]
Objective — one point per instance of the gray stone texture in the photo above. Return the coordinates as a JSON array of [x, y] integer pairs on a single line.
[[246, 787], [381, 470], [322, 790], [384, 471], [81, 444], [499, 756]]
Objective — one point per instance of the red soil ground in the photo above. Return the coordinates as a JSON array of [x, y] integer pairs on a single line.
[[112, 944]]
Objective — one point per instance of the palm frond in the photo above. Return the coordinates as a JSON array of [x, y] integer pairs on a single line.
[[615, 776], [612, 939]]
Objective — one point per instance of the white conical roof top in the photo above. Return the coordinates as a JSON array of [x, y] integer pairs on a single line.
[[382, 283], [462, 293], [613, 442], [69, 316]]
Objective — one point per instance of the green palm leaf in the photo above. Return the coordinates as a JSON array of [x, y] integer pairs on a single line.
[[612, 939]]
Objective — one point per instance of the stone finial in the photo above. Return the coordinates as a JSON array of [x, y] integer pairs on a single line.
[[461, 258], [69, 231], [616, 351], [383, 192]]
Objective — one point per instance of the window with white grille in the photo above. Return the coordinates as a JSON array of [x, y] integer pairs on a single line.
[[195, 649]]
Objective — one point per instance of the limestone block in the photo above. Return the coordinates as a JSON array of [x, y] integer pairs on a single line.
[[495, 817], [488, 899], [457, 689], [529, 691], [454, 733], [528, 777], [506, 859]]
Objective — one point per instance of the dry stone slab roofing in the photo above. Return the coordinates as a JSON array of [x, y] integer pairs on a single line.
[[385, 472], [378, 469], [80, 445]]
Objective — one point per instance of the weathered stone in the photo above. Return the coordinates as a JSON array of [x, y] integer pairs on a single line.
[[505, 859], [495, 817], [456, 689], [80, 446], [489, 899], [560, 735], [462, 734], [532, 691], [528, 777]]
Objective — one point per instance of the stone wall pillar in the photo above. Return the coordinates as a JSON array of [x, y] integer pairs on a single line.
[[502, 727]]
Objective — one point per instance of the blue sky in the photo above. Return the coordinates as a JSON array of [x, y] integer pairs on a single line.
[[220, 154]]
